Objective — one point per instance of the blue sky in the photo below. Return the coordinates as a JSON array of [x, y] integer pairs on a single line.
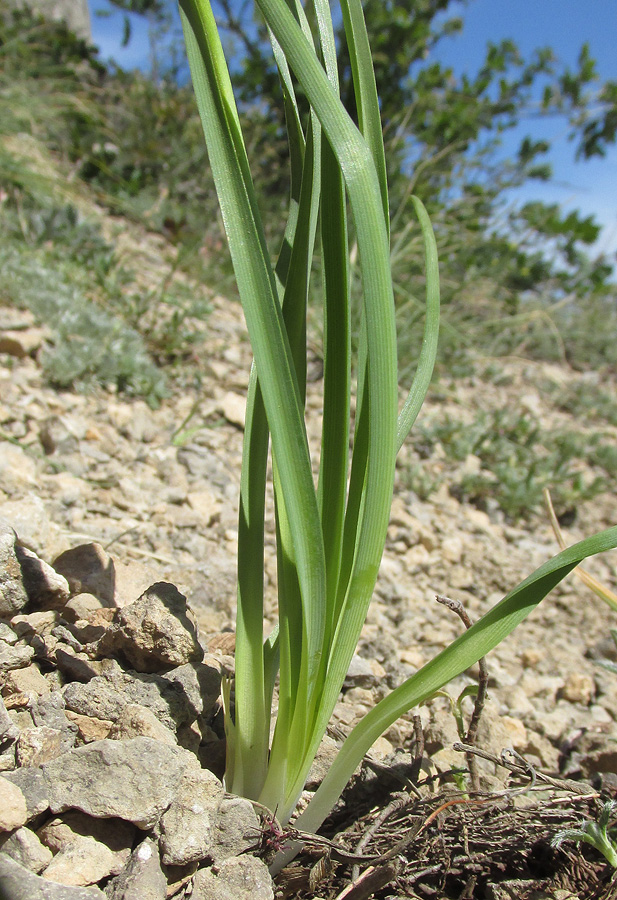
[[562, 24]]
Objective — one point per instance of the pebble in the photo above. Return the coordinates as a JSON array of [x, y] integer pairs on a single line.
[[13, 810]]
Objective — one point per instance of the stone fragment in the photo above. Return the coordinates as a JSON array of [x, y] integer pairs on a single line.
[[206, 504], [41, 623], [136, 779], [116, 835], [364, 672], [33, 786], [77, 666], [135, 721], [143, 877], [81, 606], [29, 681], [186, 826], [89, 728], [132, 580], [238, 878], [17, 469], [26, 849], [29, 518], [83, 862], [233, 407], [8, 634], [199, 684], [235, 829], [13, 596], [37, 746], [14, 656], [578, 688], [13, 810], [44, 586], [106, 696], [22, 343], [16, 883], [154, 632], [50, 711], [8, 731], [88, 569], [61, 434]]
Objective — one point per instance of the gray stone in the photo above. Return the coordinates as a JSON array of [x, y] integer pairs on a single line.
[[106, 696], [236, 828], [186, 826], [8, 732], [75, 827], [88, 569], [135, 780], [33, 786], [25, 848], [17, 469], [155, 632], [16, 883], [49, 711], [239, 878], [36, 746], [83, 862], [81, 606], [29, 518], [44, 586], [143, 877], [199, 685], [14, 656], [13, 595], [136, 720], [13, 810], [27, 625], [7, 634]]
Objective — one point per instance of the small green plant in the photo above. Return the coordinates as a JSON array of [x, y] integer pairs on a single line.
[[598, 834], [330, 535], [519, 458]]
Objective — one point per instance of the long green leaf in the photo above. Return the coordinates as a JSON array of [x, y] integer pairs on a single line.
[[462, 653], [255, 278]]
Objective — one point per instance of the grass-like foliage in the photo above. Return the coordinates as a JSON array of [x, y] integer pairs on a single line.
[[330, 535]]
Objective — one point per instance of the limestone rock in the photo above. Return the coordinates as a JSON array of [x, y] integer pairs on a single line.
[[13, 596], [82, 862], [88, 569], [143, 877], [155, 632], [171, 697], [186, 826], [33, 786], [8, 731], [14, 656], [236, 828], [17, 469], [17, 883], [135, 721], [37, 746], [13, 810], [136, 780], [44, 586], [233, 407], [26, 849], [238, 878], [29, 518]]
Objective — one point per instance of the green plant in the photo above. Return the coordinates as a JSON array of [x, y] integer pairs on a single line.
[[330, 538], [598, 834], [518, 458]]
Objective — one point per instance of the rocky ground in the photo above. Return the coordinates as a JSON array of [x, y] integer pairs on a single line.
[[112, 514]]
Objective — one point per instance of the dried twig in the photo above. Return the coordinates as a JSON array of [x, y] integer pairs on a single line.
[[472, 729]]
